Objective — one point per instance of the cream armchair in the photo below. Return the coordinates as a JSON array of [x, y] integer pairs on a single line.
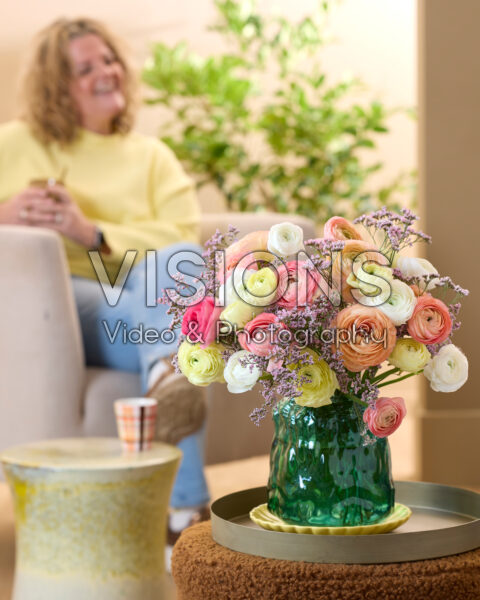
[[45, 389]]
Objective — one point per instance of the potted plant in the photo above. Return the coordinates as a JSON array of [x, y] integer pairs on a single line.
[[262, 122]]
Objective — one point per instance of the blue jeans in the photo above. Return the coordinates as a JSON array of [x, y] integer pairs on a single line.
[[105, 349]]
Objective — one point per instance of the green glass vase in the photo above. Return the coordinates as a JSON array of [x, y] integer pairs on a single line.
[[325, 469]]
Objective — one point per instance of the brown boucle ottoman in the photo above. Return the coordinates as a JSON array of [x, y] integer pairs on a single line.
[[204, 570]]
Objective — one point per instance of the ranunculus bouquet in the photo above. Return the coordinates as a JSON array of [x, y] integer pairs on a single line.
[[322, 325]]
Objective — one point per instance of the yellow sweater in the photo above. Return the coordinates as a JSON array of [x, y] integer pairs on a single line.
[[131, 186]]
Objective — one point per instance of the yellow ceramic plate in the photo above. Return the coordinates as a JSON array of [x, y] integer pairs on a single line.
[[263, 517]]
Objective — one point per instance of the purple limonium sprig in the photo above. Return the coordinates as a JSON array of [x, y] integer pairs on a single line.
[[454, 310], [218, 242], [175, 363], [395, 230], [283, 381], [321, 254], [446, 282]]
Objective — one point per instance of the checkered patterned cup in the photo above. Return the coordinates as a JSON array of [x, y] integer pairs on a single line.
[[136, 418]]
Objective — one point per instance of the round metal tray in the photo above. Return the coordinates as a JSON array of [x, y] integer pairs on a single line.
[[445, 520]]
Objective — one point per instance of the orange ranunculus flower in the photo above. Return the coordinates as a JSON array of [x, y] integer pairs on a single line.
[[416, 290], [366, 336], [430, 322], [338, 228], [345, 260], [255, 243]]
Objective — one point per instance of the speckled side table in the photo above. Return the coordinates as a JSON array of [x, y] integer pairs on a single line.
[[90, 520]]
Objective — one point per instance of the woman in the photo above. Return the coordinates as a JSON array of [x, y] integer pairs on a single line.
[[73, 165]]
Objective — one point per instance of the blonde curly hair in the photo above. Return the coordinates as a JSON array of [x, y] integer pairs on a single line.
[[45, 100]]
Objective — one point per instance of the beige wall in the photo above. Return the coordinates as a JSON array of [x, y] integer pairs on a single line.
[[375, 39], [449, 134]]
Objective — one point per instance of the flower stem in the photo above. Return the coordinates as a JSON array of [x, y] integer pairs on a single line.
[[265, 377], [355, 399], [386, 374], [399, 378], [366, 372]]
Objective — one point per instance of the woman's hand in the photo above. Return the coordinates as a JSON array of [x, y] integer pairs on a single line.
[[66, 217], [51, 207], [20, 208]]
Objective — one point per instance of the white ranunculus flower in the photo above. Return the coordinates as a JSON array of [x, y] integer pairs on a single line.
[[400, 305], [416, 267], [240, 378], [285, 239], [448, 370]]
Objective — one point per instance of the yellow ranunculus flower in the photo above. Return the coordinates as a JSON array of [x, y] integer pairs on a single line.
[[409, 355], [369, 284], [239, 313], [201, 366], [260, 288], [323, 383]]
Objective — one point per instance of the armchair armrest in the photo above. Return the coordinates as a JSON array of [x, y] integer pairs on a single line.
[[247, 222], [41, 355]]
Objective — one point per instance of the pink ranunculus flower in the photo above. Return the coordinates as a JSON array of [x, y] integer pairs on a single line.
[[430, 322], [302, 284], [274, 364], [200, 320], [385, 417], [338, 228], [261, 334]]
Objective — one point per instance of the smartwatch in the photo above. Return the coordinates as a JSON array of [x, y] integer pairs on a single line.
[[100, 242]]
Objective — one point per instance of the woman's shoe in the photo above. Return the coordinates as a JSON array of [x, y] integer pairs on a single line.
[[181, 406]]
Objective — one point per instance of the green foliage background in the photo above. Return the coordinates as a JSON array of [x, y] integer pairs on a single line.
[[263, 123]]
